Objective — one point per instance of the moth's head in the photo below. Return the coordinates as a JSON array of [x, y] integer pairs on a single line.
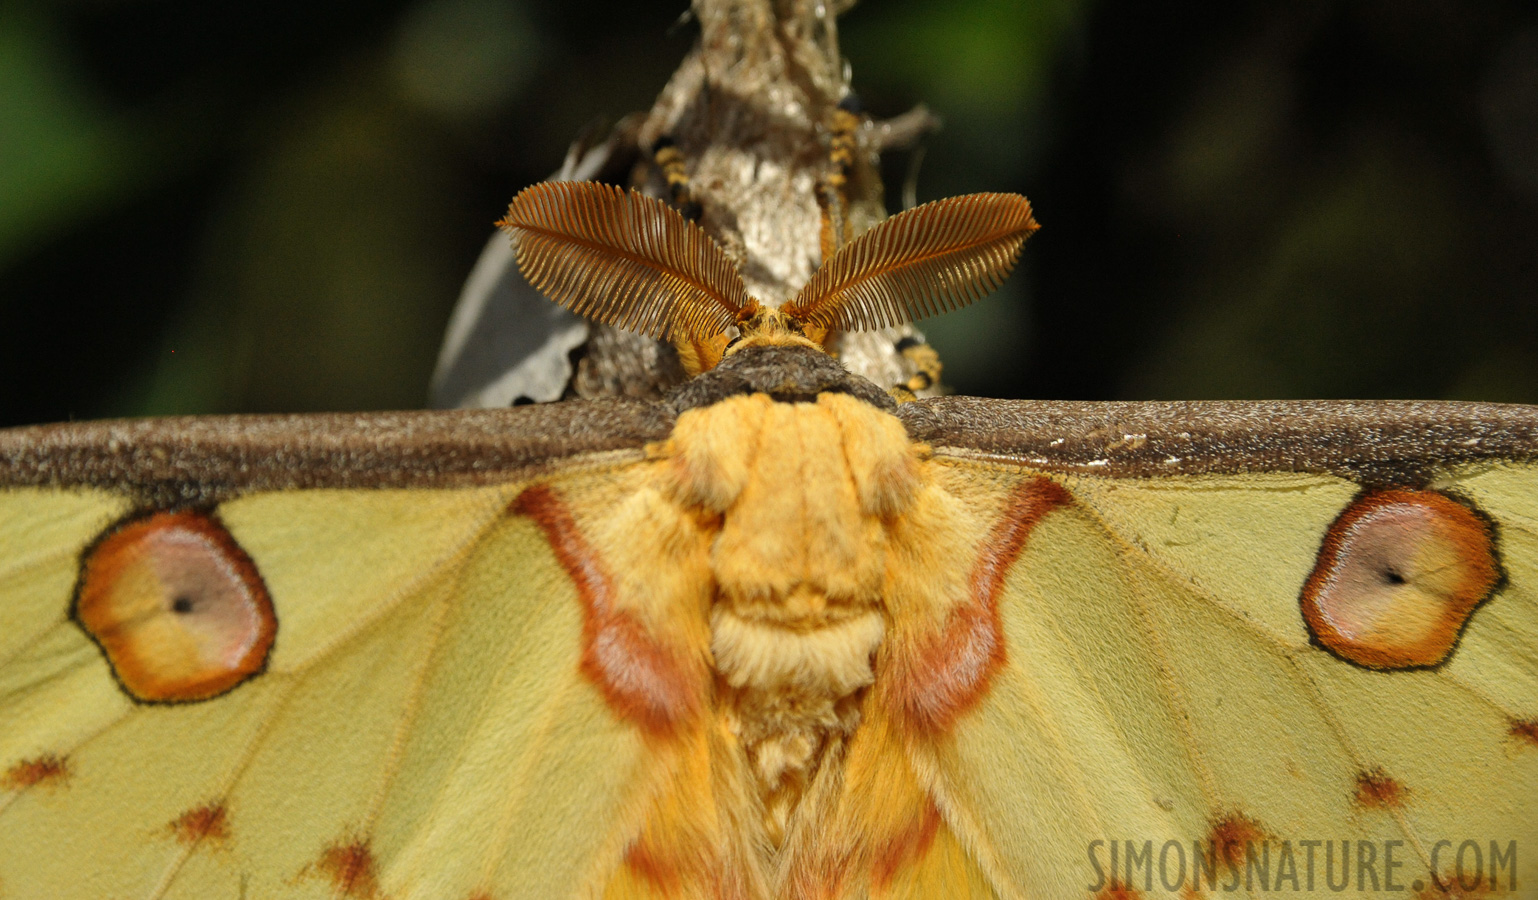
[[634, 262], [769, 326]]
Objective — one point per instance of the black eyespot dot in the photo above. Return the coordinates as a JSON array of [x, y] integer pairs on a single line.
[[1392, 576], [182, 605]]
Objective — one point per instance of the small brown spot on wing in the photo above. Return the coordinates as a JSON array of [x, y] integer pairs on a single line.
[[1233, 835], [1376, 790], [351, 867], [176, 606], [1118, 890], [1525, 730], [209, 822], [1397, 578], [48, 769]]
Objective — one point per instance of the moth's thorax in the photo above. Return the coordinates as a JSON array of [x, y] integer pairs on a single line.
[[803, 493], [779, 593]]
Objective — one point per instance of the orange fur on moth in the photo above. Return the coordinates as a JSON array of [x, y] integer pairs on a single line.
[[799, 514], [931, 683]]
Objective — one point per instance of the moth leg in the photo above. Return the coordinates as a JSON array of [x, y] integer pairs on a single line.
[[844, 124], [669, 160], [918, 353]]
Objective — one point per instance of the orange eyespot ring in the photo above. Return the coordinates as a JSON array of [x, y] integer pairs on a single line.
[[176, 606], [1398, 577]]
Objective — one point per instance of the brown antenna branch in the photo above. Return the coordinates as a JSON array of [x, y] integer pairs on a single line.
[[925, 261], [624, 259]]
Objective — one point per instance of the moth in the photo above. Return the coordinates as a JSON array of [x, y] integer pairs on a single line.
[[776, 635]]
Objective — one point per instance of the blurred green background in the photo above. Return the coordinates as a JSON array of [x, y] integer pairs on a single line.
[[212, 207]]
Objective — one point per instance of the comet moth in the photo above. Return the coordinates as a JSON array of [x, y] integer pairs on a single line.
[[776, 634]]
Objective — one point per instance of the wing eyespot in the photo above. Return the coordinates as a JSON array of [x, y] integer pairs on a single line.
[[1399, 575], [176, 606]]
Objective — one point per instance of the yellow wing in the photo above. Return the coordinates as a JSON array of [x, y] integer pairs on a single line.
[[421, 727], [1163, 697]]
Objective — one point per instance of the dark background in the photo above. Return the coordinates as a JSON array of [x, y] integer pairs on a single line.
[[215, 207]]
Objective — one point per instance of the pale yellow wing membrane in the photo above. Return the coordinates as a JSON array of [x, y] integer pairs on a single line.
[[51, 684], [42, 533], [1162, 686], [422, 728]]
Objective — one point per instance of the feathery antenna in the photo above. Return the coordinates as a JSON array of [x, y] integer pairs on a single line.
[[624, 259], [925, 261]]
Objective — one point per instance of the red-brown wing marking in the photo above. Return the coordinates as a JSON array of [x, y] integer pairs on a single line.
[[1399, 575], [907, 846], [1525, 730], [1234, 835], [642, 680], [47, 769], [211, 822], [1118, 890], [1376, 790], [663, 875], [928, 685], [177, 607], [351, 868]]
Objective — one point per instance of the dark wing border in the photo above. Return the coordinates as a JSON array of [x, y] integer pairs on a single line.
[[198, 459], [1377, 443]]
